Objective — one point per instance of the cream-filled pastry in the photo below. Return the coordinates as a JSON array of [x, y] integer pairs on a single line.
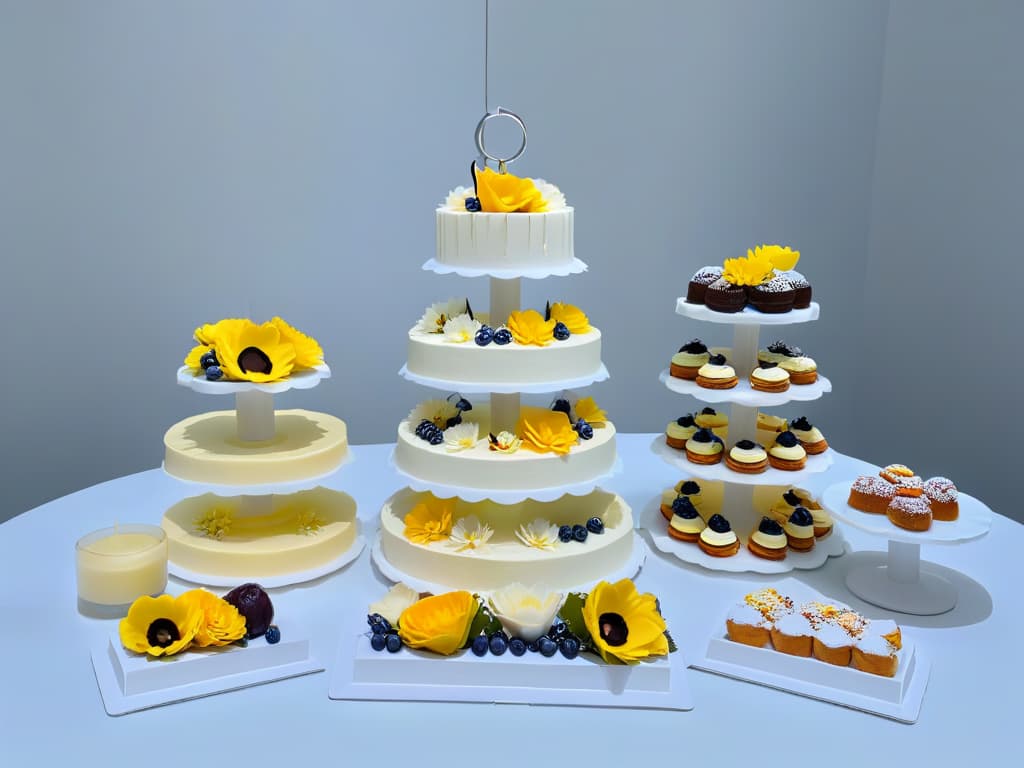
[[801, 370], [810, 436], [768, 540], [777, 351], [747, 457], [718, 539], [709, 418], [688, 488], [705, 447], [688, 360], [717, 374], [787, 453], [679, 431], [769, 377], [800, 530], [686, 523]]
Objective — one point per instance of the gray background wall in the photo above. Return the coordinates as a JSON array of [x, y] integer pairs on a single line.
[[166, 164]]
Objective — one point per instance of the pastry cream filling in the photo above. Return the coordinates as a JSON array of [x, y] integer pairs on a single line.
[[798, 364], [822, 519], [683, 433], [687, 525], [812, 435], [716, 539], [711, 420], [770, 375], [689, 359], [748, 455], [769, 422], [709, 371], [770, 357], [795, 453], [704, 449], [799, 531], [769, 541]]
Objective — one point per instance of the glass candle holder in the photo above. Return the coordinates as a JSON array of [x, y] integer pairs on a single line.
[[119, 564]]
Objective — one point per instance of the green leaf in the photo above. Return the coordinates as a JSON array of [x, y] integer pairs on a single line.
[[483, 623], [672, 647], [572, 614]]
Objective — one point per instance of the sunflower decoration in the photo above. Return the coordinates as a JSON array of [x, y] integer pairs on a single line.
[[237, 349], [430, 520], [161, 626], [308, 352], [545, 431], [754, 269], [625, 627], [569, 315], [529, 327], [222, 623], [782, 257]]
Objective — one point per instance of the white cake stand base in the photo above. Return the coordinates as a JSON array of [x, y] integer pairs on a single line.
[[902, 585]]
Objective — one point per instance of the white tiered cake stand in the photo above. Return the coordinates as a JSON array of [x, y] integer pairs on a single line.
[[738, 497], [905, 583]]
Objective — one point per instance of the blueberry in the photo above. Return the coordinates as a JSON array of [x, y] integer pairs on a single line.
[[207, 360], [579, 533], [473, 204], [516, 646], [377, 642], [463, 405], [393, 643], [561, 404], [453, 421], [565, 534], [570, 647], [436, 438], [213, 373], [480, 645], [378, 628], [558, 630], [484, 336], [503, 336], [498, 643], [595, 525], [561, 331], [533, 646], [373, 618], [548, 647], [584, 430], [273, 634]]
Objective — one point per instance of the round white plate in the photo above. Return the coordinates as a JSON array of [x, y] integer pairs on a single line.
[[574, 267], [306, 379], [747, 316], [744, 394], [505, 388], [771, 476]]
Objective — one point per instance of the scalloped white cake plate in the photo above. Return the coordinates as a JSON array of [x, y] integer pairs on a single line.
[[898, 698], [130, 682], [263, 489], [574, 267], [748, 315], [771, 476], [744, 394], [306, 379], [506, 388]]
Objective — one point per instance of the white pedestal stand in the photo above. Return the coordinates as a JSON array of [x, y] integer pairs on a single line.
[[901, 585]]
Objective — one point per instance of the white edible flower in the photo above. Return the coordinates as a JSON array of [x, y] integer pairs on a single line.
[[525, 612], [552, 195], [461, 436], [436, 411], [540, 534], [394, 602], [461, 328], [469, 533], [504, 442], [436, 315], [456, 200]]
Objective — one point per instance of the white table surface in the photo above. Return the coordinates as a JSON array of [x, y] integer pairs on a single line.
[[51, 712]]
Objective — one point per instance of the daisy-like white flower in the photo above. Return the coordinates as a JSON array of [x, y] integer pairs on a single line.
[[461, 328], [436, 315], [461, 436], [469, 533], [394, 602], [436, 411], [540, 534], [504, 442]]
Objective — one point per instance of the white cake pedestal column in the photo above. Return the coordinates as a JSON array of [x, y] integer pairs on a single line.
[[901, 585], [254, 415]]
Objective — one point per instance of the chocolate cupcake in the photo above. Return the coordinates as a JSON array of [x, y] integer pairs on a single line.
[[802, 288], [723, 296], [774, 296], [699, 283]]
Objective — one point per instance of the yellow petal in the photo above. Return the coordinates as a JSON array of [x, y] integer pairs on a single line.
[[183, 616], [439, 623], [529, 327], [250, 352], [645, 635], [782, 257], [588, 410], [573, 317], [222, 623], [545, 431], [193, 357], [505, 193], [430, 520], [308, 353]]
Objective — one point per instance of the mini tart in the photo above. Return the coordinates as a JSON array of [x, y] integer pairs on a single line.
[[792, 633], [747, 457], [718, 539], [770, 379], [801, 289], [723, 296], [713, 375], [774, 296], [679, 431], [943, 497], [787, 454], [777, 351], [688, 488], [896, 472], [909, 512], [768, 540], [802, 370], [745, 624], [871, 494], [709, 418], [800, 530], [704, 447], [823, 523], [810, 436], [699, 283], [686, 524], [687, 361], [768, 423]]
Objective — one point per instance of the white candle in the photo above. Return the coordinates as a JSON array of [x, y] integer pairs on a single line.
[[116, 565]]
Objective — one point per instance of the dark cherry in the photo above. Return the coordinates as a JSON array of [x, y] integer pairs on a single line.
[[764, 364], [745, 445], [708, 412], [703, 436], [683, 507], [779, 347], [786, 439], [791, 498], [686, 421], [694, 347], [769, 527], [802, 424], [689, 488], [719, 524], [801, 516], [717, 360]]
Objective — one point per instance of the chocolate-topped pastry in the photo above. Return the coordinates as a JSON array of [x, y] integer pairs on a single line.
[[723, 296], [686, 420], [699, 283], [685, 523], [768, 540], [801, 423], [719, 524], [718, 539], [687, 361], [689, 488], [810, 436], [786, 439], [679, 431], [694, 347], [769, 526], [773, 296], [800, 529], [786, 452], [683, 507], [704, 447], [801, 289]]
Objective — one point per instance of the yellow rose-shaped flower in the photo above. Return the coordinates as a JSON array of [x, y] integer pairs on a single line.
[[782, 257], [505, 193], [193, 357], [589, 411], [624, 625], [160, 626], [250, 352], [529, 327], [545, 431], [308, 353], [573, 317], [222, 623], [752, 270], [440, 623], [430, 520]]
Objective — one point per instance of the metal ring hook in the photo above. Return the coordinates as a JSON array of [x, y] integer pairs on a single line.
[[480, 138]]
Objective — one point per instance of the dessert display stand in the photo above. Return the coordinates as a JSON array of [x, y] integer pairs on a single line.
[[905, 583], [738, 491]]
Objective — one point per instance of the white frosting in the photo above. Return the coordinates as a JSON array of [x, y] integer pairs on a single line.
[[505, 240], [770, 375], [798, 364], [689, 360], [704, 449], [812, 435], [742, 613], [769, 541], [794, 624], [716, 539], [795, 453], [687, 525], [833, 636], [873, 643], [709, 371], [748, 455]]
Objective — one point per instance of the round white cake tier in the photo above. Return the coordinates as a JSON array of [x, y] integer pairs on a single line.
[[480, 473], [744, 394], [973, 522], [205, 449], [467, 367], [505, 559], [743, 520], [286, 540], [306, 379], [513, 243], [771, 476], [747, 316]]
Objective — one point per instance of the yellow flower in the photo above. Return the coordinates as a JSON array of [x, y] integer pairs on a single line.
[[208, 332], [624, 625], [505, 193], [530, 327], [222, 623], [250, 352], [160, 626], [782, 257], [430, 520], [193, 357], [588, 410], [573, 317], [440, 623], [308, 353], [752, 270], [544, 431]]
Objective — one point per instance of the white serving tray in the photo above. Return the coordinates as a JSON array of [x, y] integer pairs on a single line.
[[771, 476], [574, 267], [360, 673], [506, 388], [130, 682], [744, 394], [898, 698], [747, 316], [306, 379]]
